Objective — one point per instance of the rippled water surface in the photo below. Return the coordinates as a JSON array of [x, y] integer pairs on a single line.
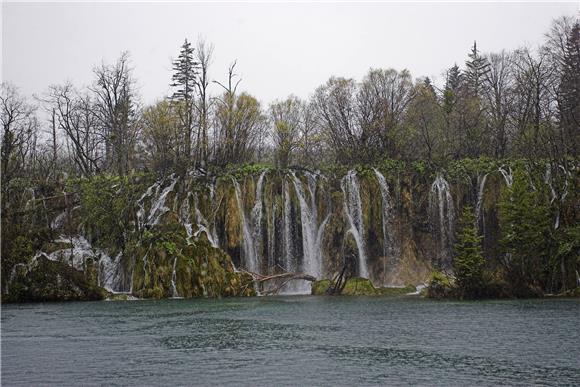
[[292, 341]]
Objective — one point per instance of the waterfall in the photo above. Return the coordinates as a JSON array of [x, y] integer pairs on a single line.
[[141, 218], [249, 252], [507, 175], [185, 217], [387, 214], [111, 273], [158, 208], [175, 294], [353, 211], [289, 262], [479, 216], [441, 207], [204, 226], [311, 232], [257, 211]]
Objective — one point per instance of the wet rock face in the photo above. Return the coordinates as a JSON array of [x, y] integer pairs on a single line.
[[193, 236], [47, 280]]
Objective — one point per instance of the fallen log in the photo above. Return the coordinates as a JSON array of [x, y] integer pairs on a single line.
[[284, 277]]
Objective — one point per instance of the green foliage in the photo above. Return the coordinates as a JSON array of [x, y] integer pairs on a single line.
[[468, 262], [319, 288], [107, 206], [359, 287], [526, 235], [439, 286]]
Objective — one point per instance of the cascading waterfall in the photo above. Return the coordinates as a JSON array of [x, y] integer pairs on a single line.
[[289, 262], [175, 294], [158, 208], [141, 216], [257, 211], [479, 216], [389, 248], [353, 211], [203, 225], [507, 175], [185, 217], [249, 250], [311, 231], [441, 207]]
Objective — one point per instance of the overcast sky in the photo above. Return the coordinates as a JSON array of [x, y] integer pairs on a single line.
[[281, 49]]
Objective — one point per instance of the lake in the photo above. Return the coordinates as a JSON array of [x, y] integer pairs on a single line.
[[292, 340]]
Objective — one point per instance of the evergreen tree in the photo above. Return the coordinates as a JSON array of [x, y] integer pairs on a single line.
[[468, 263], [570, 92], [477, 68], [526, 235], [185, 79]]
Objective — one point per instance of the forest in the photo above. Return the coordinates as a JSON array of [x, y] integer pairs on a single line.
[[499, 140]]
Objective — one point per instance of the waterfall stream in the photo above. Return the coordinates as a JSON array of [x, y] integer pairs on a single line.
[[353, 211], [311, 231], [249, 251], [441, 208], [479, 216]]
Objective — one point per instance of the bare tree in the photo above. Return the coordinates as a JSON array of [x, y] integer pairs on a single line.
[[287, 120], [75, 116], [204, 56], [116, 110], [19, 131]]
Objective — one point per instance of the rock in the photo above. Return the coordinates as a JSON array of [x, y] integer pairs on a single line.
[[359, 287], [46, 280], [319, 288]]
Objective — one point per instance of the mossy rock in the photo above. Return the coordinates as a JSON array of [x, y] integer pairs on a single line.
[[47, 280], [439, 286], [319, 288], [359, 287], [385, 291]]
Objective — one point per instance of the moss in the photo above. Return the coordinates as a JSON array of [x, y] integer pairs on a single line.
[[359, 287], [439, 286], [320, 288], [385, 291], [47, 280]]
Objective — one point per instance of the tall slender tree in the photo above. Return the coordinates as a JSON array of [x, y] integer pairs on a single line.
[[184, 80]]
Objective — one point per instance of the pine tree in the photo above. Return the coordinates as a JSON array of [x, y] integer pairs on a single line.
[[451, 91], [526, 235], [569, 97], [477, 69], [468, 263], [185, 79]]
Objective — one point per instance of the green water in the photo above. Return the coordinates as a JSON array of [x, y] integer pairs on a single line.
[[292, 341]]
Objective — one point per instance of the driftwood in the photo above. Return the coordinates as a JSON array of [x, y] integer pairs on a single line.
[[284, 277]]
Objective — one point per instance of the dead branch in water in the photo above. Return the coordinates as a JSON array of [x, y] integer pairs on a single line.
[[286, 277]]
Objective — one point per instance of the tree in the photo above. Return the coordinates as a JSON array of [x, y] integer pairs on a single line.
[[425, 121], [19, 130], [239, 124], [468, 263], [382, 100], [116, 109], [75, 116], [498, 95], [161, 137], [204, 55], [569, 93], [335, 108], [286, 118], [526, 235], [184, 79]]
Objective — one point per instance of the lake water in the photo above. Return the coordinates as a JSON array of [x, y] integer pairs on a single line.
[[298, 340]]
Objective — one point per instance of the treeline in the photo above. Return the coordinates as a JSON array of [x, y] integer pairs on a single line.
[[524, 103]]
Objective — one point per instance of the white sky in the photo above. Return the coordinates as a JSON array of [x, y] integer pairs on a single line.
[[281, 49]]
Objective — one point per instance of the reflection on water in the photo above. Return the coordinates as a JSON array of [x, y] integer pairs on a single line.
[[292, 340]]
